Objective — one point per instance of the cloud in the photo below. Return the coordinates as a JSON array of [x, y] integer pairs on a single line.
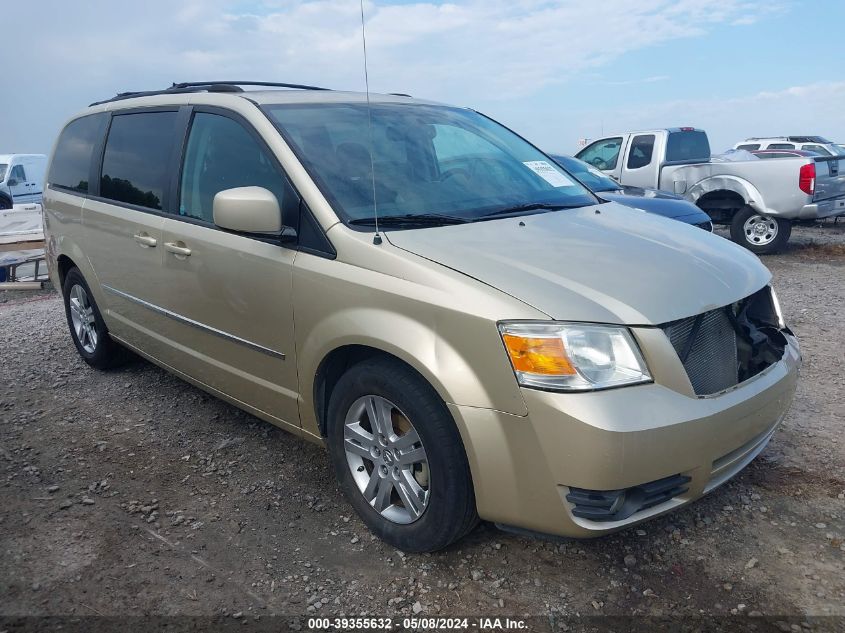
[[470, 52], [814, 108], [634, 82]]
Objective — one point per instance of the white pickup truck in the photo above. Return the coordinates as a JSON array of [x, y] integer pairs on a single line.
[[759, 199]]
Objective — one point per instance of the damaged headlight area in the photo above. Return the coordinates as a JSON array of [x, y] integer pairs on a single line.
[[724, 347], [759, 325]]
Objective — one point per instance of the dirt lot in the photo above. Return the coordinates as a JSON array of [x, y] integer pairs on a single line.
[[131, 492]]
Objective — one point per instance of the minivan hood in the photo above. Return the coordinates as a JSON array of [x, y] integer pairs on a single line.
[[604, 263]]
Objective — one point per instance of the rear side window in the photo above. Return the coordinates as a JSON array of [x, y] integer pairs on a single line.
[[780, 146], [220, 155], [642, 149], [71, 164], [749, 148], [602, 154], [818, 149], [687, 146], [137, 157]]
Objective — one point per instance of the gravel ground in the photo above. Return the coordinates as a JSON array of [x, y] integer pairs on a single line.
[[131, 492]]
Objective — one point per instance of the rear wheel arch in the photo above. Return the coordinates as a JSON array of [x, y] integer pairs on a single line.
[[64, 265], [721, 204]]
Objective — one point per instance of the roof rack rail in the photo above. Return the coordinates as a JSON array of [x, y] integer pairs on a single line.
[[791, 139], [205, 86], [270, 84]]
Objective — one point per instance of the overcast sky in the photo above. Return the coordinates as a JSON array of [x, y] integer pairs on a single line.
[[553, 71]]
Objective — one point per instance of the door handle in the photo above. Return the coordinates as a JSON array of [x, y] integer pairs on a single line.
[[145, 240], [176, 249]]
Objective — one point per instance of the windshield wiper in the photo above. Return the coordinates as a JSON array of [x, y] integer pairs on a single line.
[[532, 206], [423, 219]]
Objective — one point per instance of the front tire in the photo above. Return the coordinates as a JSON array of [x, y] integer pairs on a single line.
[[758, 233], [87, 328], [399, 458]]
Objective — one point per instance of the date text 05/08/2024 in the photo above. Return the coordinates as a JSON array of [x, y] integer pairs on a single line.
[[417, 624]]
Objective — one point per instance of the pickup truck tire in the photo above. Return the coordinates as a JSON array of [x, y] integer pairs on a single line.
[[5, 202], [411, 451], [758, 233]]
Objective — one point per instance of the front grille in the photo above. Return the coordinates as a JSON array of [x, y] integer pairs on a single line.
[[617, 505], [707, 346]]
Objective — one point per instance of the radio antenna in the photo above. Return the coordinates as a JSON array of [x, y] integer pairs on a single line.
[[376, 237]]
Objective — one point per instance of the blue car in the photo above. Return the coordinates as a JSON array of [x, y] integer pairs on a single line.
[[651, 200]]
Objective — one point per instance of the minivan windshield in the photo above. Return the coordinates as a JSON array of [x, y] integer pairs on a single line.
[[429, 161]]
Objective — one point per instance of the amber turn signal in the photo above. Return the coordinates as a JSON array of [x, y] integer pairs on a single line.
[[545, 355]]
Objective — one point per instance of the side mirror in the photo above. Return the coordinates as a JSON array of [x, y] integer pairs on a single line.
[[12, 182], [247, 210]]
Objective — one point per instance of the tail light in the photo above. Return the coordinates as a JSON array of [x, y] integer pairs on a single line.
[[807, 178]]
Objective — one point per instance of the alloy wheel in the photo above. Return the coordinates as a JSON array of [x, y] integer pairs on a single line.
[[82, 317], [387, 459]]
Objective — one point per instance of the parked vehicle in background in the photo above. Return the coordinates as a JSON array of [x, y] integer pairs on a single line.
[[758, 199], [21, 223], [497, 342], [646, 199], [783, 153], [817, 144], [21, 178]]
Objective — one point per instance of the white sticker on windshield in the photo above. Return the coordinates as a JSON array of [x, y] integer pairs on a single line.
[[548, 173]]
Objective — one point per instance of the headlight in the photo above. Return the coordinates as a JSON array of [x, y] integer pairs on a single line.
[[776, 306], [573, 356]]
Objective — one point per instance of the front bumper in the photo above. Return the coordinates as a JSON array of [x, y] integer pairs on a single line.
[[523, 467]]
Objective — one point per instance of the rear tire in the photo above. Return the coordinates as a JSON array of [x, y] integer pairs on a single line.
[[87, 328], [758, 233], [407, 475]]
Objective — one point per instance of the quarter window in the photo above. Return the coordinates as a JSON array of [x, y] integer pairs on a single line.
[[750, 147], [642, 149], [221, 155], [780, 146], [71, 165], [136, 159], [602, 154]]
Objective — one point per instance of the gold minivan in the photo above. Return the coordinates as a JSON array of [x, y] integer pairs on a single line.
[[469, 330]]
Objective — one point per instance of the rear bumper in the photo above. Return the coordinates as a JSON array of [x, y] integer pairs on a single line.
[[524, 467], [822, 209]]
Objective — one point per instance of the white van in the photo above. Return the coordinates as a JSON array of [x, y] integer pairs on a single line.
[[21, 178]]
